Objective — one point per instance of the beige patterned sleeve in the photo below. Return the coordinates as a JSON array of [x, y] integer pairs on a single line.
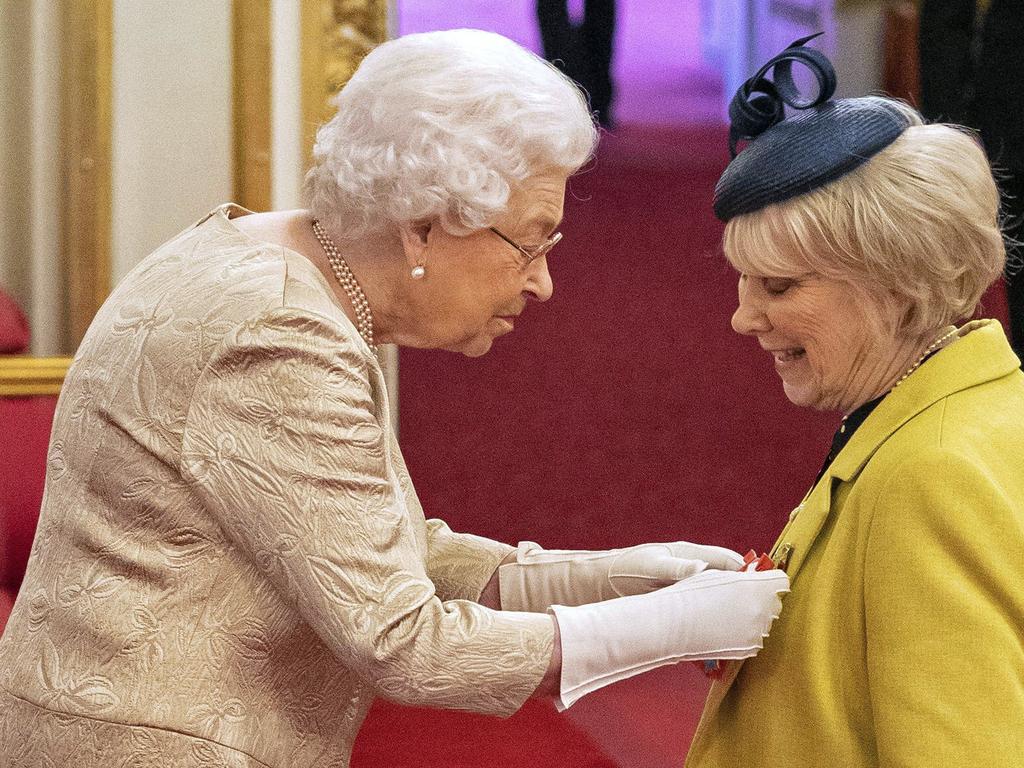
[[282, 443], [461, 564]]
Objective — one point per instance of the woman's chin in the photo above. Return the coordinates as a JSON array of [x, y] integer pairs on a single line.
[[477, 351], [799, 396], [478, 346]]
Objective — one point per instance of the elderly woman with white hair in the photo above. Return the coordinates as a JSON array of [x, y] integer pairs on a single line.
[[863, 238], [231, 561]]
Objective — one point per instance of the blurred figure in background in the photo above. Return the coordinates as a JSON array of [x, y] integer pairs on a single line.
[[972, 72], [583, 51]]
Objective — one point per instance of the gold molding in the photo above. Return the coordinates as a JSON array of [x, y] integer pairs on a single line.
[[25, 376], [87, 64], [336, 35], [252, 85]]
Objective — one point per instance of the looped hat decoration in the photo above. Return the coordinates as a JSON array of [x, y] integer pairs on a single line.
[[760, 103], [785, 157]]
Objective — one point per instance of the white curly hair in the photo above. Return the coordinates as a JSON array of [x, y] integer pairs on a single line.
[[441, 126]]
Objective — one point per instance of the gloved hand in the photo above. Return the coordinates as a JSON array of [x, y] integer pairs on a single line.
[[539, 578], [713, 615]]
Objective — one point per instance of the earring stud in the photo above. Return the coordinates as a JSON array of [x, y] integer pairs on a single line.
[[418, 272]]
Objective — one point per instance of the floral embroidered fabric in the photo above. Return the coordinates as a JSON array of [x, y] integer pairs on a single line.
[[231, 561]]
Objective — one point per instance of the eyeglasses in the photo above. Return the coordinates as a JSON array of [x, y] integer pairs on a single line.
[[531, 253]]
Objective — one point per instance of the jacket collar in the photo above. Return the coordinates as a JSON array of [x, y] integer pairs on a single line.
[[980, 354]]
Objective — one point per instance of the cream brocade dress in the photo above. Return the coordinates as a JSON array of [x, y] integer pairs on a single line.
[[231, 561]]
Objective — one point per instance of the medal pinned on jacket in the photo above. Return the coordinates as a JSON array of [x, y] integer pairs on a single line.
[[752, 561]]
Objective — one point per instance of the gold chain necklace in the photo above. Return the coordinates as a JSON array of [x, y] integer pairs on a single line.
[[931, 348], [917, 364]]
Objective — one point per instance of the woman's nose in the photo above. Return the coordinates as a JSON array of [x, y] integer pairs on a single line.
[[749, 318], [539, 284]]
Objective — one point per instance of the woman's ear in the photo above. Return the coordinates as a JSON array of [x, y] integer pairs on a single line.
[[416, 242]]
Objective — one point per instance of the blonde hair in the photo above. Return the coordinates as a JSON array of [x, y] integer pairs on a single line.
[[443, 126], [915, 230]]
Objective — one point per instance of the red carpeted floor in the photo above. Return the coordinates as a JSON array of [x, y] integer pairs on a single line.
[[535, 737], [624, 410]]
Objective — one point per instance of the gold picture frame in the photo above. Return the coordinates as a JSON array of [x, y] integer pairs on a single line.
[[251, 86], [24, 376], [87, 65], [335, 36]]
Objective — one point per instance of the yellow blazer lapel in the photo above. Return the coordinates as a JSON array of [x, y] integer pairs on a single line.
[[804, 525], [793, 544]]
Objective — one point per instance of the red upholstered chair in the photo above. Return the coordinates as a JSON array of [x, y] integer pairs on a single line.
[[28, 396], [14, 333]]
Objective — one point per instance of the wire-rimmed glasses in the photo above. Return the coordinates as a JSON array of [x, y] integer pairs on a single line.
[[530, 253]]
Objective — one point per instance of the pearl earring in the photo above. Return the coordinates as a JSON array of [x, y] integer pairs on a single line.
[[418, 272]]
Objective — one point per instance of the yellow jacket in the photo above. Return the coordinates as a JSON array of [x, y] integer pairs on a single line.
[[902, 641]]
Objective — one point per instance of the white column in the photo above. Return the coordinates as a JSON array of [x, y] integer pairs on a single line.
[[46, 310], [859, 55], [287, 162], [172, 121]]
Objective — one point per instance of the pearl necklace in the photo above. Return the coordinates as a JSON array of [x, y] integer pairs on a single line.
[[345, 276], [931, 348]]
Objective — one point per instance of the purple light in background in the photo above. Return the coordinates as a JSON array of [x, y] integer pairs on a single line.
[[658, 69]]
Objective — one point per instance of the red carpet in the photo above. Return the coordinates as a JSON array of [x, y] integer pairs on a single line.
[[624, 410], [535, 737]]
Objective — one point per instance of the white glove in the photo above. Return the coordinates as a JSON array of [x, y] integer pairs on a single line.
[[539, 578], [713, 615]]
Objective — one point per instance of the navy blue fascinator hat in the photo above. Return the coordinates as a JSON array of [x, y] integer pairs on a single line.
[[787, 157]]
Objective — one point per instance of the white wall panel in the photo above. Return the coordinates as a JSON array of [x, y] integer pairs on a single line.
[[172, 129], [286, 152]]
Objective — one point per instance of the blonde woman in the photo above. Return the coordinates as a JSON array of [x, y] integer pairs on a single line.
[[863, 239]]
